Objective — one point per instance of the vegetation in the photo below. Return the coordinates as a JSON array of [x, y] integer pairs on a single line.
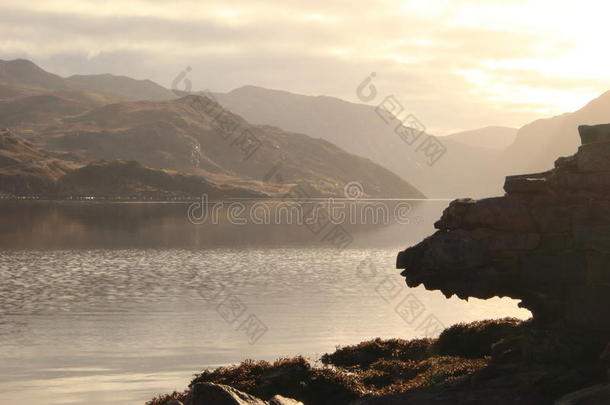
[[375, 367]]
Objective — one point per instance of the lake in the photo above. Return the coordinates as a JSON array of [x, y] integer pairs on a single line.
[[144, 298]]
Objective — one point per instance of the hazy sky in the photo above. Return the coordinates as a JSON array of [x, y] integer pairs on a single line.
[[454, 64]]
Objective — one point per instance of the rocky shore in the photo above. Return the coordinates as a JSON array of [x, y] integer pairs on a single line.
[[546, 242]]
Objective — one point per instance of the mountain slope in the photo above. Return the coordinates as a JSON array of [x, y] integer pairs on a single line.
[[27, 170], [122, 87], [46, 107], [26, 74], [358, 129], [493, 137], [24, 169], [130, 178], [539, 143], [196, 135], [22, 72]]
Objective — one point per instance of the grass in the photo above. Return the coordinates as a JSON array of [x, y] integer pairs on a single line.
[[375, 367]]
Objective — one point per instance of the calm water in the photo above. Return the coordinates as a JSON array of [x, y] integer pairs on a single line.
[[101, 325]]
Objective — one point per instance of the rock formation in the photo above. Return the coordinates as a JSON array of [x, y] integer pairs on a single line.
[[545, 242]]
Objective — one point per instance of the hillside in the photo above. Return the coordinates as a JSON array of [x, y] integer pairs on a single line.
[[83, 119], [25, 73], [538, 144], [493, 137], [28, 111], [196, 135], [358, 129], [130, 178], [122, 87], [26, 170]]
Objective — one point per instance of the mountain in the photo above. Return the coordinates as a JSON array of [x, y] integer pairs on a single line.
[[196, 135], [27, 170], [122, 87], [28, 75], [85, 118], [130, 178], [493, 137], [538, 144], [46, 107], [25, 73], [360, 130]]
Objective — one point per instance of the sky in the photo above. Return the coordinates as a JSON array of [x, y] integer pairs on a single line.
[[455, 65]]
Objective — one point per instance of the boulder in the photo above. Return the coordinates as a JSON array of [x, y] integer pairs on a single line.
[[545, 242]]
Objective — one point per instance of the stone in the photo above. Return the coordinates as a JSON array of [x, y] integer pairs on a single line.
[[594, 133]]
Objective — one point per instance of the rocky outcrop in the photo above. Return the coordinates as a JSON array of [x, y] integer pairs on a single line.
[[545, 242]]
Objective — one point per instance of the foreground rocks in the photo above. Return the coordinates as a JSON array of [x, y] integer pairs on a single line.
[[219, 394], [546, 242], [500, 362]]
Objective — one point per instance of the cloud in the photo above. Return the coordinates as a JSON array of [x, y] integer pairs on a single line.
[[457, 65]]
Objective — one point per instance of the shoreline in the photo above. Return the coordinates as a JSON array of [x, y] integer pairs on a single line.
[[505, 362]]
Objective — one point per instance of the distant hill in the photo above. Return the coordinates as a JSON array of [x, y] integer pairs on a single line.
[[185, 135], [83, 119], [358, 129], [122, 87], [492, 137], [92, 117], [39, 107], [26, 74], [26, 170], [538, 144], [22, 72], [130, 178]]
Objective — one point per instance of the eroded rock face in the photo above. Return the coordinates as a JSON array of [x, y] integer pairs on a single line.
[[546, 241]]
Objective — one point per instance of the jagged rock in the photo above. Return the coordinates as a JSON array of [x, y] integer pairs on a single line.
[[219, 394], [546, 242]]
